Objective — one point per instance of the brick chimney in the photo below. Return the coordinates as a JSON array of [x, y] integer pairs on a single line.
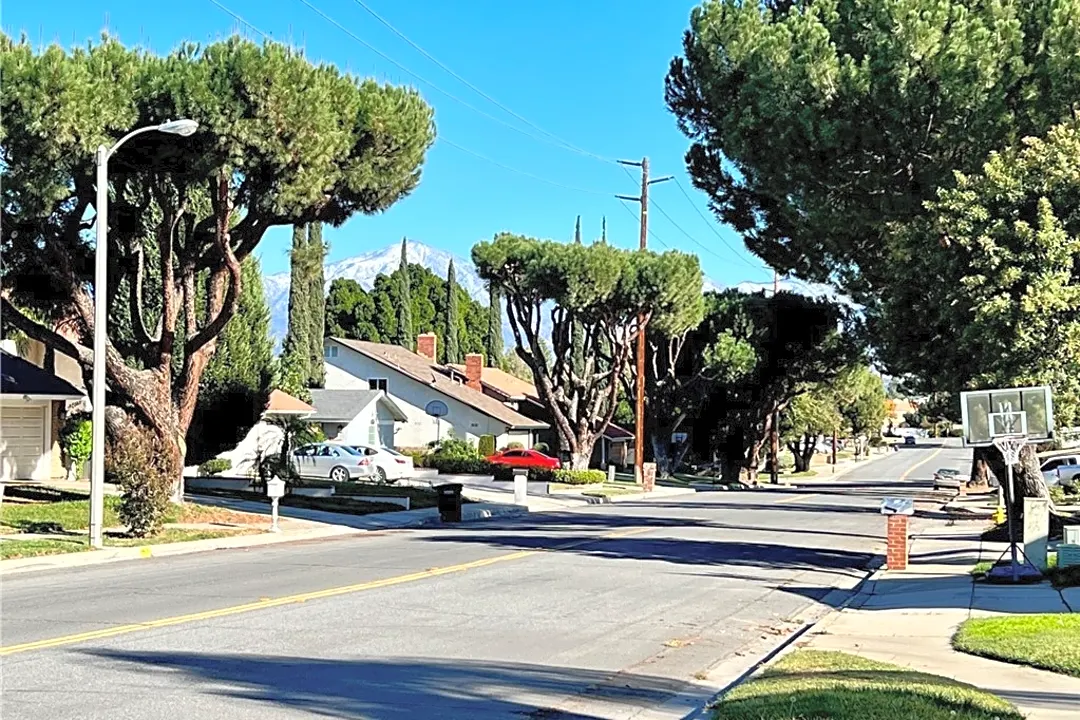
[[426, 345], [474, 366]]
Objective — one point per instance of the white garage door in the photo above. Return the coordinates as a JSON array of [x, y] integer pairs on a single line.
[[22, 440]]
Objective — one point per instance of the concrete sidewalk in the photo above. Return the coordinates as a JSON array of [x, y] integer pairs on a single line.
[[908, 618]]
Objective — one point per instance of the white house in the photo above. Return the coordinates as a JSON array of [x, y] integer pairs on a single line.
[[363, 417], [417, 386], [32, 408]]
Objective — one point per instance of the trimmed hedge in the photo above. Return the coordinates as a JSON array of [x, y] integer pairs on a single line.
[[214, 466], [486, 446], [566, 477], [461, 466]]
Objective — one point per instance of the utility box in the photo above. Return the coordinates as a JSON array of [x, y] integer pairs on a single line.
[[1072, 535]]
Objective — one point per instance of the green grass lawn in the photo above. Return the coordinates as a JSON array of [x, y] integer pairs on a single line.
[[1050, 642], [78, 543], [338, 503], [51, 510], [609, 489], [813, 684]]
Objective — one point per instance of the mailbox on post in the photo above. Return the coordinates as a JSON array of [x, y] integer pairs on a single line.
[[897, 510], [275, 490]]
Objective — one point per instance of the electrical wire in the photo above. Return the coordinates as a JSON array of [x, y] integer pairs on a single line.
[[442, 138], [425, 81], [655, 237], [709, 223], [564, 143]]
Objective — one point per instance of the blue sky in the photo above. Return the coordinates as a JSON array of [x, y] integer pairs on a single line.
[[590, 72]]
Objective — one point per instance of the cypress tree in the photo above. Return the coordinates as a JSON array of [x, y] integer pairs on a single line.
[[453, 346], [406, 336], [577, 332], [297, 350], [494, 343], [603, 230], [316, 250]]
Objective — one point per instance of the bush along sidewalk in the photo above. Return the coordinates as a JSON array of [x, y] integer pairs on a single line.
[[1050, 642], [566, 477]]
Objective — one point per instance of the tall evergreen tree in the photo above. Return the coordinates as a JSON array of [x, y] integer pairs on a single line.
[[317, 298], [494, 339], [453, 347], [406, 335], [297, 352], [577, 331], [603, 230], [239, 373]]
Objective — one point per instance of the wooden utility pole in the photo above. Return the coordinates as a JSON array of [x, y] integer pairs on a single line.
[[639, 384], [774, 434]]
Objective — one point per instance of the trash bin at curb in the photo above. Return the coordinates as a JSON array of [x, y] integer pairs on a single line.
[[449, 501]]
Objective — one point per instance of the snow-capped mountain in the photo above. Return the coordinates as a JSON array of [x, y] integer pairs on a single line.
[[799, 287], [365, 268]]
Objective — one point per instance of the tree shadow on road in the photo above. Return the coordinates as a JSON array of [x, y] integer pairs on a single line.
[[679, 551], [393, 688]]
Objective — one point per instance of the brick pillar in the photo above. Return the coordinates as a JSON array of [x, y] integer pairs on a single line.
[[648, 476], [426, 345], [896, 556], [474, 368]]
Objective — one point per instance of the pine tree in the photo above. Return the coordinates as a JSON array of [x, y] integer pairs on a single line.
[[603, 230], [297, 350], [453, 346], [577, 332], [316, 250], [406, 335], [494, 344]]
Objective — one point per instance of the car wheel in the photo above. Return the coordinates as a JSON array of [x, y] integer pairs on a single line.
[[380, 473], [339, 474]]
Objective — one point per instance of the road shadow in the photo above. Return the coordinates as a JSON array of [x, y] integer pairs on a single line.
[[400, 688], [677, 551]]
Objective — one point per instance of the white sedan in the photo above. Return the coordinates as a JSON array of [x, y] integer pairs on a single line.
[[330, 460], [389, 463]]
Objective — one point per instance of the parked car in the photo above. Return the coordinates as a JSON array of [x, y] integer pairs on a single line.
[[1067, 464], [331, 460], [909, 439], [524, 458], [389, 463]]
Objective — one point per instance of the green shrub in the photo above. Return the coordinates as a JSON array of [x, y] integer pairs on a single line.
[[541, 447], [457, 448], [215, 466], [143, 467], [577, 477], [76, 443], [514, 446], [877, 441], [461, 466], [486, 446], [421, 457], [502, 473]]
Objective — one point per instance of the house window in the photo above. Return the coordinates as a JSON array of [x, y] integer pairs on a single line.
[[377, 384], [330, 351]]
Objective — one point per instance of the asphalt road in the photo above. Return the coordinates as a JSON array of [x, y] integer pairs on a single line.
[[605, 612]]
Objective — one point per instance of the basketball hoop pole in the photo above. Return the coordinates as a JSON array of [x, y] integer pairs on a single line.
[[1011, 519]]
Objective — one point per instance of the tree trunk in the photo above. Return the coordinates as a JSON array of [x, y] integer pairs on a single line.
[[1027, 481], [753, 460], [580, 460], [661, 453]]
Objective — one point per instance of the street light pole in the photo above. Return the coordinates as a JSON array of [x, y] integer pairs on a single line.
[[97, 391]]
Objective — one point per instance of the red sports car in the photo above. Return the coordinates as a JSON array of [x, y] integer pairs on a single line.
[[523, 458]]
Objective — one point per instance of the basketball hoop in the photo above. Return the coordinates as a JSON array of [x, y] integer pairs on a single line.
[[1010, 447]]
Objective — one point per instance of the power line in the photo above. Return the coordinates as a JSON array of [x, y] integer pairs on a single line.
[[425, 81], [441, 137], [564, 143], [526, 173], [709, 223], [652, 232]]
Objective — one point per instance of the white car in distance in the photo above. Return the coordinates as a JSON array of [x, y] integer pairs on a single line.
[[390, 465], [339, 463]]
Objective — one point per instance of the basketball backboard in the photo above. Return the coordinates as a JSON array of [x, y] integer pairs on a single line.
[[1000, 412]]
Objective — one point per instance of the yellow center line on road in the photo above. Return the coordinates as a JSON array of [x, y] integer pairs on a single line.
[[797, 498], [916, 466], [266, 603]]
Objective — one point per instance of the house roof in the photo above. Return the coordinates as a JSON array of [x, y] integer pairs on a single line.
[[502, 381], [23, 378], [282, 403], [344, 405], [423, 371], [514, 387]]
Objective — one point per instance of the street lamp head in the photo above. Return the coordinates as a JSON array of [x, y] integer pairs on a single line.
[[179, 127]]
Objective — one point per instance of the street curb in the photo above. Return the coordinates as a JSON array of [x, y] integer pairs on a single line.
[[19, 566], [857, 593]]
